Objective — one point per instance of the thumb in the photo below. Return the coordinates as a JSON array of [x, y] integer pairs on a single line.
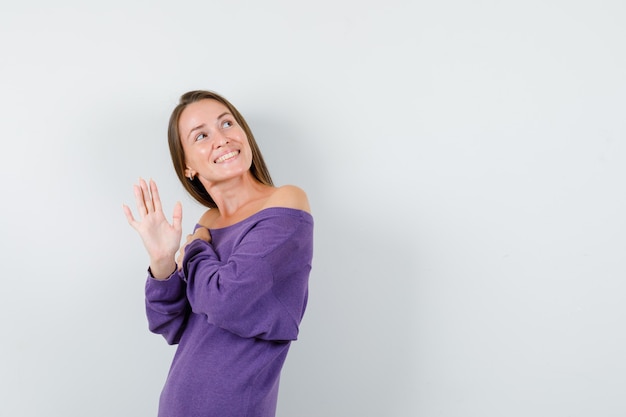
[[177, 216], [129, 216]]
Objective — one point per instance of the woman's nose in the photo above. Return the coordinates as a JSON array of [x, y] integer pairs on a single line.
[[220, 140]]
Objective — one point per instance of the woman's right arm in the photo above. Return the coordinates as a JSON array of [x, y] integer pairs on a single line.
[[160, 238], [166, 303], [167, 307]]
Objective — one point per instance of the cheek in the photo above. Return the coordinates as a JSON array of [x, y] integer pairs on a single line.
[[197, 152], [247, 151], [194, 158], [203, 150]]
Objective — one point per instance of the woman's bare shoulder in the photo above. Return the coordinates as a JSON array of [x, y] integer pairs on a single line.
[[289, 196], [209, 217]]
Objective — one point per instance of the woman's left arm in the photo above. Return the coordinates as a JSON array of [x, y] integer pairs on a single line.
[[261, 289]]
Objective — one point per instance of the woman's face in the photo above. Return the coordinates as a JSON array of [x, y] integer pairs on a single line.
[[216, 147]]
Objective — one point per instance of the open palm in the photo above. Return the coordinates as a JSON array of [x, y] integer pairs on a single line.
[[160, 238]]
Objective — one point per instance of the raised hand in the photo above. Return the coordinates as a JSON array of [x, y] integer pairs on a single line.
[[160, 238]]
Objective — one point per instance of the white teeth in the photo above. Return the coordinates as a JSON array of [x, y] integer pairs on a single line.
[[225, 157]]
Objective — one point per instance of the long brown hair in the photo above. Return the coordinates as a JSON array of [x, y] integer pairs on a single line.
[[258, 169]]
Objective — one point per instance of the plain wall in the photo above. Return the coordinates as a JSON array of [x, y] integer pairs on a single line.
[[465, 163]]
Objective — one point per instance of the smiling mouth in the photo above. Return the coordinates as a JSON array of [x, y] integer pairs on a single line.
[[226, 157]]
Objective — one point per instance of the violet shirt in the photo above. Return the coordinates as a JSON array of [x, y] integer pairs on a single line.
[[233, 310]]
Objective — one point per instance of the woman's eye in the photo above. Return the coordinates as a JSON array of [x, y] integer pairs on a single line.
[[227, 123], [200, 136]]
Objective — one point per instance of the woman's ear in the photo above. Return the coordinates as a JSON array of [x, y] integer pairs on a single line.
[[190, 173]]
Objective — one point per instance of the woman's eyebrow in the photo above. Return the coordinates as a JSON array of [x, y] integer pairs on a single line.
[[194, 129], [203, 125]]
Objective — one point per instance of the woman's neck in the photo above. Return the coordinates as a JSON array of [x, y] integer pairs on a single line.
[[238, 196]]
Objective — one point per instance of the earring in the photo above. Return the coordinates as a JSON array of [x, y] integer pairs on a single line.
[[191, 178]]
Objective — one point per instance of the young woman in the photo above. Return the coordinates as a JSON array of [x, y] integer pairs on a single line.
[[234, 296]]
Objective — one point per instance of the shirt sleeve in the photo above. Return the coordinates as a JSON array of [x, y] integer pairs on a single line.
[[261, 290], [167, 307]]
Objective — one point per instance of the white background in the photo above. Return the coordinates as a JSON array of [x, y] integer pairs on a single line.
[[465, 162]]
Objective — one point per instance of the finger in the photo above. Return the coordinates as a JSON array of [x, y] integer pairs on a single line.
[[141, 205], [204, 234], [147, 197], [155, 196], [199, 233], [129, 215]]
